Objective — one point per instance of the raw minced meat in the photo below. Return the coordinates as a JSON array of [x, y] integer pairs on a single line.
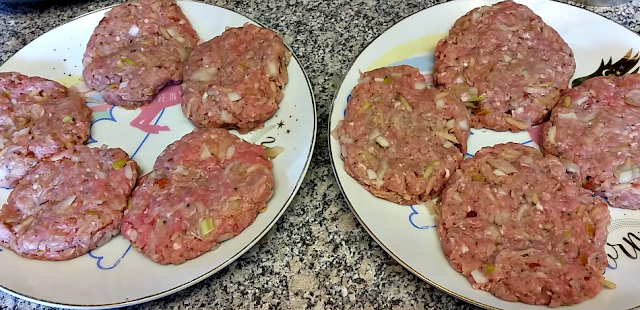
[[137, 48], [68, 204], [38, 118], [513, 222], [595, 131], [401, 139], [506, 65], [205, 188], [235, 80]]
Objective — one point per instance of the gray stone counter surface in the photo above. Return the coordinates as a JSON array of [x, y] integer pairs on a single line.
[[317, 256]]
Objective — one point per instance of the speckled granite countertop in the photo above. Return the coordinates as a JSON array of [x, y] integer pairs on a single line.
[[317, 256]]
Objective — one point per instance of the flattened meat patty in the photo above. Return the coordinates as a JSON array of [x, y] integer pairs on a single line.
[[595, 130], [513, 223], [506, 65], [38, 118], [139, 47], [205, 188], [68, 204], [235, 80], [400, 139]]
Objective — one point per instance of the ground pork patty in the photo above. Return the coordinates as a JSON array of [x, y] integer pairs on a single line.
[[506, 64], [400, 139], [595, 131], [137, 48], [205, 188], [235, 80], [68, 204], [513, 223], [38, 118]]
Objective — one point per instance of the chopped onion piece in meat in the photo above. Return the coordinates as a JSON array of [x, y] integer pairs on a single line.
[[226, 116], [225, 237], [456, 196], [440, 103], [372, 175], [273, 152], [441, 95], [364, 80], [233, 96], [535, 90], [205, 74], [608, 284], [446, 136], [123, 84], [581, 100], [133, 31], [230, 151], [624, 176], [382, 169], [501, 164], [405, 103], [507, 28], [571, 115], [334, 132], [176, 35], [128, 171], [516, 123], [463, 124], [379, 79], [479, 277], [420, 85], [447, 144], [449, 123], [571, 166], [206, 226], [133, 235], [374, 134], [272, 68], [523, 208], [551, 134], [476, 15], [498, 172], [205, 152], [65, 203], [633, 97], [430, 206], [382, 141]]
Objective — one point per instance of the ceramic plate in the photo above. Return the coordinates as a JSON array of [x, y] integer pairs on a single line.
[[407, 232], [115, 275]]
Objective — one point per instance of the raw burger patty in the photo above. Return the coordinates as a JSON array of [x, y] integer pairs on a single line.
[[513, 223], [69, 204], [235, 80], [204, 189], [594, 130], [137, 49], [400, 139], [506, 64], [38, 118]]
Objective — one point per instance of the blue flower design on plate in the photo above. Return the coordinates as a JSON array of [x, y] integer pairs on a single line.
[[413, 220]]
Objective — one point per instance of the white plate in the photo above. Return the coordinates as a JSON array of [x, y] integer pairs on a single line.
[[407, 232], [115, 275]]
